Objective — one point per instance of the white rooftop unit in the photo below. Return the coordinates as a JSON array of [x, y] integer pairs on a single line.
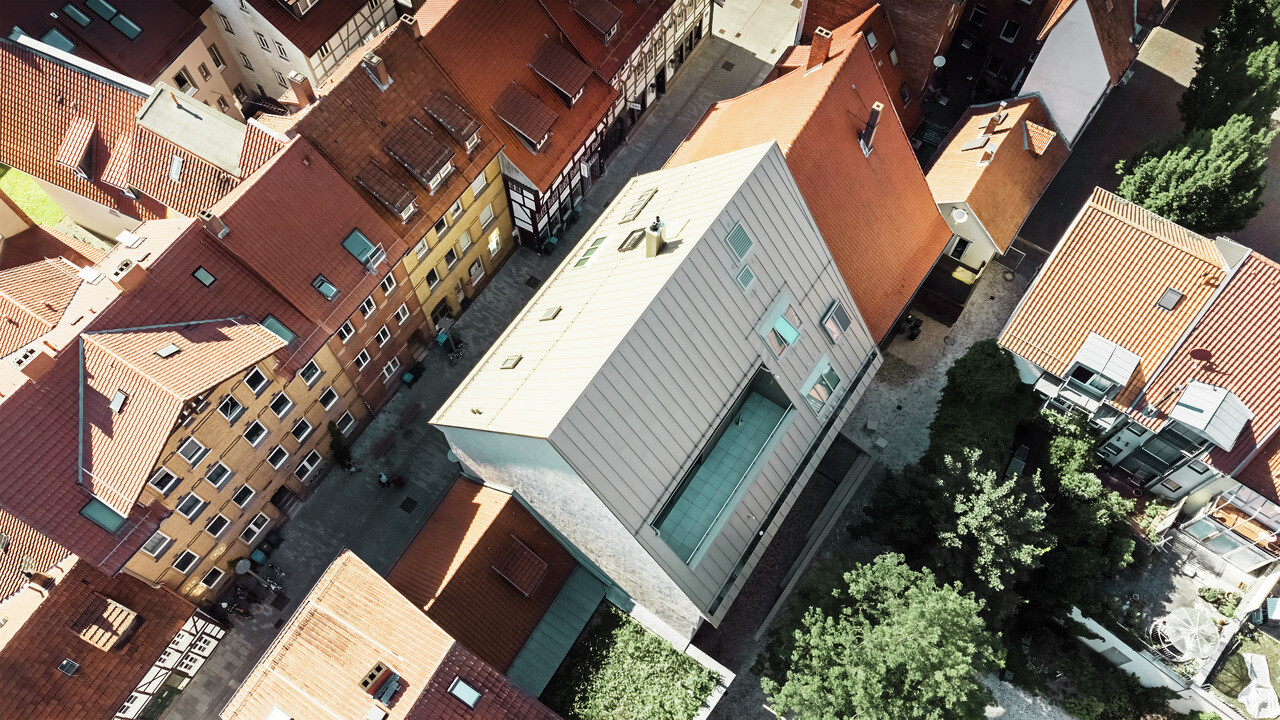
[[1107, 359], [1215, 412]]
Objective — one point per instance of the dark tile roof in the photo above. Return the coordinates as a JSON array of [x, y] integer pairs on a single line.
[[414, 146], [521, 110], [389, 191], [561, 68], [451, 116], [602, 14]]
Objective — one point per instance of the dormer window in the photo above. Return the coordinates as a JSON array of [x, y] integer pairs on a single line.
[[445, 172], [473, 141]]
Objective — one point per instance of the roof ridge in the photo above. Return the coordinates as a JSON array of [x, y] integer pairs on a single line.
[[80, 65], [1158, 228]]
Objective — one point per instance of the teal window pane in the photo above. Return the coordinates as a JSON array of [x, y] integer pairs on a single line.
[[277, 327], [103, 516], [359, 246], [786, 330]]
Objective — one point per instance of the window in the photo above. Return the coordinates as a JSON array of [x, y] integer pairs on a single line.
[[255, 432], [212, 577], [255, 381], [243, 496], [54, 38], [389, 370], [872, 42], [451, 257], [77, 15], [226, 24], [455, 210], [217, 57], [163, 480], [979, 15], [192, 451], [324, 287], [190, 506], [383, 336], [433, 278], [905, 93], [893, 55], [205, 277], [230, 408], [309, 373], [464, 241], [474, 140], [784, 331], [441, 225], [324, 51], [216, 525], [478, 185], [271, 323], [495, 243], [277, 457], [1010, 31], [486, 215], [824, 385], [185, 562], [307, 465], [118, 21], [464, 692], [239, 92], [739, 241], [421, 248], [280, 79], [388, 284], [262, 41], [476, 271], [301, 430], [345, 422], [101, 514], [328, 398], [402, 314], [959, 248], [255, 526], [156, 544], [368, 306], [445, 172], [345, 331], [586, 254], [362, 359], [281, 405], [204, 71], [217, 474], [836, 321], [280, 50], [244, 60], [222, 104], [1169, 299]]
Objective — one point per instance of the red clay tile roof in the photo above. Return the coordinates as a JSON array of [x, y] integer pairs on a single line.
[[560, 67], [32, 687], [1024, 157], [24, 542], [351, 621], [105, 623], [168, 28], [1105, 277], [32, 298], [452, 117], [449, 571], [42, 241], [460, 35], [200, 183], [314, 29], [120, 449], [578, 24], [260, 144], [45, 97], [920, 26], [521, 110], [816, 118], [75, 143], [1234, 346]]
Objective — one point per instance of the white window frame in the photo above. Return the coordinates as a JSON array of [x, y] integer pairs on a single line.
[[218, 464], [422, 248], [388, 284], [315, 373], [280, 51], [368, 306], [311, 461], [345, 331], [431, 285], [486, 215], [244, 60], [261, 437], [819, 376], [195, 561], [168, 488], [293, 432], [216, 56], [226, 23], [464, 241], [333, 401], [450, 263], [204, 582], [495, 243], [287, 408], [278, 449], [345, 422], [198, 455], [226, 523], [195, 513], [389, 370], [382, 336], [159, 551], [262, 41], [872, 42], [261, 386], [361, 360], [252, 531], [832, 324], [247, 500], [478, 185], [456, 210], [402, 314], [280, 78]]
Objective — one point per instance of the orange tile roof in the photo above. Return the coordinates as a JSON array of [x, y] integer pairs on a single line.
[[815, 117], [32, 687], [352, 620], [450, 570], [1235, 346], [1022, 156], [460, 35], [32, 299], [1105, 276]]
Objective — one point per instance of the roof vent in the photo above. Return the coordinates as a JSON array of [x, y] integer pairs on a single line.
[[168, 351], [959, 215], [213, 224], [32, 362], [69, 666], [377, 69], [550, 314], [128, 275], [464, 692], [118, 400], [511, 362], [372, 677], [654, 237]]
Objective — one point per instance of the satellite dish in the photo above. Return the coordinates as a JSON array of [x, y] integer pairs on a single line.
[[959, 215], [939, 61], [242, 566]]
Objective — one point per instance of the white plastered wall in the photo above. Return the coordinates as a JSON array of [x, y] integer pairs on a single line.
[[1070, 73]]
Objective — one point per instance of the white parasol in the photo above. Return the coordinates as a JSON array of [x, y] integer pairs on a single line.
[[1191, 631]]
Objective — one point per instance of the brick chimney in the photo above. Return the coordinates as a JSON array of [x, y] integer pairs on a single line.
[[213, 224], [301, 89], [820, 48], [868, 135], [378, 69], [33, 362], [127, 275], [654, 237], [411, 26]]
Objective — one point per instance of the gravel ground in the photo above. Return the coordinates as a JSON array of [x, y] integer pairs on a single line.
[[1014, 703]]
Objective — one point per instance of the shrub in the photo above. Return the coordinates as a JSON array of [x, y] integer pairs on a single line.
[[338, 444]]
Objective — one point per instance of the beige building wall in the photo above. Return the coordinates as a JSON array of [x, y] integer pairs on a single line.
[[11, 223], [87, 213], [197, 61], [470, 239]]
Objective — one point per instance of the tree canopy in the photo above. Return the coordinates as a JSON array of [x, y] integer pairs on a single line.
[[899, 646], [1236, 71]]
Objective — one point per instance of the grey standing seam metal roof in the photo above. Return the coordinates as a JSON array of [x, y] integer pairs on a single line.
[[550, 642]]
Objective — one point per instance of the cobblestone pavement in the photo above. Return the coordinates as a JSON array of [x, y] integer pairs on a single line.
[[352, 511]]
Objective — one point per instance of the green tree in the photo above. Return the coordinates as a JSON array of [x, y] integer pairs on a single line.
[[981, 406], [899, 646], [1232, 74], [971, 524], [1208, 180]]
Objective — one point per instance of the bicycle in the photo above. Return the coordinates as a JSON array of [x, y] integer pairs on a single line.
[[456, 355], [231, 607]]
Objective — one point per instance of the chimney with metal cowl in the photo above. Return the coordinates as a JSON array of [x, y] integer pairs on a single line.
[[213, 224], [377, 69], [819, 48], [868, 135], [654, 237], [127, 275], [301, 89]]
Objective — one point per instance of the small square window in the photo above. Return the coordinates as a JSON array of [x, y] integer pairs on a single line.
[[310, 373], [388, 284], [280, 79], [433, 278], [324, 287], [421, 248], [230, 408], [185, 562], [368, 306], [362, 359], [1169, 299], [255, 381], [819, 394], [301, 430], [464, 241], [345, 422], [212, 577], [280, 50], [281, 405], [255, 433], [77, 15], [893, 55], [156, 544], [478, 185], [190, 506], [1010, 31], [244, 59], [441, 225], [243, 496], [205, 277], [55, 38], [277, 457], [192, 450], [216, 525], [383, 336], [255, 526], [345, 331], [204, 71], [217, 474], [836, 321], [262, 41], [328, 398], [451, 258], [455, 210], [163, 480], [979, 15], [402, 314]]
